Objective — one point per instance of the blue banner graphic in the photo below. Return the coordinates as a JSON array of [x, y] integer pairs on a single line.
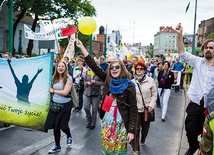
[[24, 90]]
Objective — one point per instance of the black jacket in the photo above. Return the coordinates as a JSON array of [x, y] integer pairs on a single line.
[[165, 81]]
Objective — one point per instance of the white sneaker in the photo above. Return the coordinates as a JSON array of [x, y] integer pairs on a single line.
[[69, 141], [55, 149]]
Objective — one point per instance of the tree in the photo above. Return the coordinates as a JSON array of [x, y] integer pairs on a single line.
[[50, 10], [28, 8], [150, 51], [210, 35]]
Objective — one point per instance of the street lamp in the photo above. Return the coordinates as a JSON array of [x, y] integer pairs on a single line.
[[10, 24], [133, 31]]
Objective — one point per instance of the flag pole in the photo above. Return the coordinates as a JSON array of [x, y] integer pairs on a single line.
[[56, 40], [187, 8], [193, 44], [91, 46], [105, 43]]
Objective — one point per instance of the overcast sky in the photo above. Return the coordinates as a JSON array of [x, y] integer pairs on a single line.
[[139, 20]]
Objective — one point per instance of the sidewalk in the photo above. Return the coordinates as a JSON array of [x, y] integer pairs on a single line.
[[184, 143]]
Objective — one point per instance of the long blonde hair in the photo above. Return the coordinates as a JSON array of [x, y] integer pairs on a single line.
[[56, 76], [124, 73]]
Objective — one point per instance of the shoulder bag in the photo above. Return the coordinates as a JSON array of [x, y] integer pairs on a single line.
[[148, 116]]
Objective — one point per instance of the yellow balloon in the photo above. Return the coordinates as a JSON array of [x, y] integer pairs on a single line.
[[87, 25]]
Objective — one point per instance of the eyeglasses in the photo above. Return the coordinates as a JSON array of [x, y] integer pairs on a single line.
[[116, 67], [139, 69]]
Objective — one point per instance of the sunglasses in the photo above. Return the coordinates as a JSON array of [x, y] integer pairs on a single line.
[[139, 69], [116, 67]]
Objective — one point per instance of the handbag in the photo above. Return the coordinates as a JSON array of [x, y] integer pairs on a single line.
[[56, 107], [148, 116], [80, 85], [95, 92], [151, 116], [106, 106]]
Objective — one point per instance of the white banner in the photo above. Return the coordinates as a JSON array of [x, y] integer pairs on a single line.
[[47, 35], [69, 52]]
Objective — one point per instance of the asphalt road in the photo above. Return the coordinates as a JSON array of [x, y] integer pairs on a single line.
[[164, 137]]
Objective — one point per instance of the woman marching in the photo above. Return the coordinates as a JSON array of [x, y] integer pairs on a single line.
[[60, 111], [146, 92], [119, 120], [165, 81]]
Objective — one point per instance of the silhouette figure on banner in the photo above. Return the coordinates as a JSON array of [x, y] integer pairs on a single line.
[[23, 88]]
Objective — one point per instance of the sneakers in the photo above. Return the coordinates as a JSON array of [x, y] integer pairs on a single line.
[[77, 110], [92, 127], [142, 143], [136, 152], [88, 125], [55, 149], [69, 141], [190, 152]]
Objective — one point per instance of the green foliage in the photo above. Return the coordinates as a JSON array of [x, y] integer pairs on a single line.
[[63, 42], [54, 9], [150, 51], [34, 55], [85, 40], [211, 36]]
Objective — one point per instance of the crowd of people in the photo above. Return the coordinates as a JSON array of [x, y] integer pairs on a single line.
[[121, 90]]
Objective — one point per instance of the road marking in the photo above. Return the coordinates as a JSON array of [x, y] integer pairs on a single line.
[[5, 128], [35, 147]]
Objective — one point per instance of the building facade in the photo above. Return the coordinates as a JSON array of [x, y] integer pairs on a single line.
[[204, 28], [165, 41]]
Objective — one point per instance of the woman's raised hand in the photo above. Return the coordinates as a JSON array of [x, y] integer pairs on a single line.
[[81, 46]]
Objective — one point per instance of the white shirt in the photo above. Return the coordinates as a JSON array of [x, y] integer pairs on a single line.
[[76, 72], [202, 78]]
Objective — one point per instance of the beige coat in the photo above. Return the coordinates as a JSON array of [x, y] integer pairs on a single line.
[[149, 90]]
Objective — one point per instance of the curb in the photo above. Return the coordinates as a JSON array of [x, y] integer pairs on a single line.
[[183, 143]]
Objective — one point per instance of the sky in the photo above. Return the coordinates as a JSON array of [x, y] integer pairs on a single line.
[[139, 20]]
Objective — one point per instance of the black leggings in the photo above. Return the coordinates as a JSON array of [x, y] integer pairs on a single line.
[[57, 135]]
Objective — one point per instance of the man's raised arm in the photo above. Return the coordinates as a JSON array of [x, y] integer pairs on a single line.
[[180, 43]]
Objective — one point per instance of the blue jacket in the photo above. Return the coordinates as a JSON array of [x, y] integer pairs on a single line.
[[178, 66]]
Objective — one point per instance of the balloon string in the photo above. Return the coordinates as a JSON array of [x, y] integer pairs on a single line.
[[182, 18], [77, 34]]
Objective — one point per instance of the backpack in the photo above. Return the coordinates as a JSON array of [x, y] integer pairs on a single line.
[[74, 97], [206, 143]]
